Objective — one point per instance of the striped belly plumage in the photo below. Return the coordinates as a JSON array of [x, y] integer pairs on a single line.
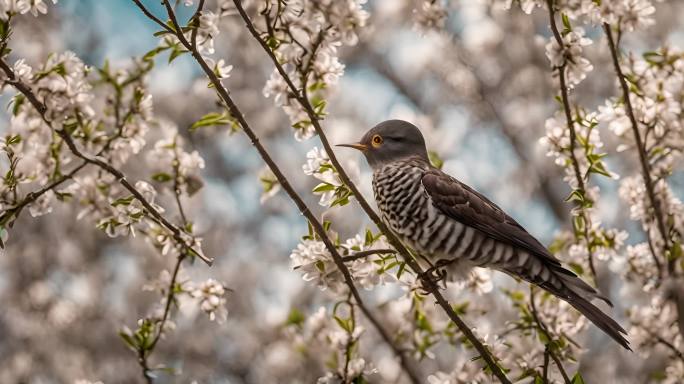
[[409, 212]]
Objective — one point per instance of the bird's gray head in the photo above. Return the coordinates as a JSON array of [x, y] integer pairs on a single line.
[[389, 141]]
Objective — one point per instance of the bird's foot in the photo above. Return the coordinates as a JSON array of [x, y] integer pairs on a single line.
[[432, 276]]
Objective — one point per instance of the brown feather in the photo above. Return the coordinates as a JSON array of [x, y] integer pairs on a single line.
[[471, 208]]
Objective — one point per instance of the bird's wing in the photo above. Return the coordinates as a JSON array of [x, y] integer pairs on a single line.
[[469, 207], [464, 204]]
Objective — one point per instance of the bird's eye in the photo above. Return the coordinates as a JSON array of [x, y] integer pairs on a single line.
[[376, 141]]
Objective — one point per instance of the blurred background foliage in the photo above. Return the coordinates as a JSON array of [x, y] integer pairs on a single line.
[[481, 96]]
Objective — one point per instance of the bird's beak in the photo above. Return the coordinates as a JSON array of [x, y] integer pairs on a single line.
[[359, 146]]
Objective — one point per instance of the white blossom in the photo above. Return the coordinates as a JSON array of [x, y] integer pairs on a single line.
[[527, 6], [570, 55], [42, 205], [319, 166], [211, 295], [22, 70], [431, 15], [314, 261]]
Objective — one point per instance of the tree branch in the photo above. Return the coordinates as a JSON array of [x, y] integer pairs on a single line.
[[33, 196], [645, 167], [362, 254], [287, 187], [549, 346], [171, 290], [42, 110], [430, 285], [573, 135]]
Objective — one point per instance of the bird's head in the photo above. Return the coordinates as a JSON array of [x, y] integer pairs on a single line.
[[389, 141]]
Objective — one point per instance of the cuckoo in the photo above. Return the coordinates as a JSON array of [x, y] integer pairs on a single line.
[[442, 218]]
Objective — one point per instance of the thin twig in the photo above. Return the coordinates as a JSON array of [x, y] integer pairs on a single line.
[[118, 124], [118, 175], [430, 285], [645, 167], [154, 18], [195, 19], [144, 353], [573, 135], [171, 291], [662, 341], [545, 375], [350, 340], [549, 347], [362, 254], [294, 196], [33, 196]]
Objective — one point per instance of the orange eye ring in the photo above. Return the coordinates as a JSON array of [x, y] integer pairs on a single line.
[[376, 141]]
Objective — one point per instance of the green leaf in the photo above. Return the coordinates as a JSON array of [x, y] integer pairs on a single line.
[[576, 195], [162, 177], [323, 187], [402, 268], [4, 29], [577, 379], [435, 159], [344, 323], [123, 201], [423, 323], [175, 52], [576, 268], [211, 119], [12, 140], [295, 317], [566, 23], [369, 237], [18, 102], [272, 42], [462, 308], [676, 251], [150, 55], [128, 339]]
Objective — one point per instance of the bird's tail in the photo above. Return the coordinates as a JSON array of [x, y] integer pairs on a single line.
[[578, 294]]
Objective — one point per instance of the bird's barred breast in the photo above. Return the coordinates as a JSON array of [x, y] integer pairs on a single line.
[[408, 211]]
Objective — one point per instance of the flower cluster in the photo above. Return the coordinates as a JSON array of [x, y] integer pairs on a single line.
[[658, 80], [305, 37], [212, 301], [314, 260], [331, 189], [431, 15], [12, 7], [589, 238], [320, 334], [569, 55], [655, 320], [38, 157], [168, 154], [628, 15]]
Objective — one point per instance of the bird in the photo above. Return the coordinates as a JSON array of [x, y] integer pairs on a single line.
[[438, 216]]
